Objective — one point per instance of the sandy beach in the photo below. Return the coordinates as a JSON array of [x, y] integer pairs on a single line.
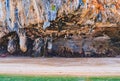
[[60, 66]]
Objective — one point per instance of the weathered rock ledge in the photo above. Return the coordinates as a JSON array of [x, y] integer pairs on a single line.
[[71, 28]]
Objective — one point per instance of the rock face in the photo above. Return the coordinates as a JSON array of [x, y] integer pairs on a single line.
[[60, 18], [23, 13]]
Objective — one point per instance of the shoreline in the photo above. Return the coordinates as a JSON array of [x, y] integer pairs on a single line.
[[60, 66]]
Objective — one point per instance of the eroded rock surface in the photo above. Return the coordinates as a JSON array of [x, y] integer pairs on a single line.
[[77, 27]]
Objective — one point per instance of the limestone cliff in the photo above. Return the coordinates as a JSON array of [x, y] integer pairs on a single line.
[[76, 27], [22, 13]]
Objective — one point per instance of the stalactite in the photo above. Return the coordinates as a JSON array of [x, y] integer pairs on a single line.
[[8, 19], [1, 12]]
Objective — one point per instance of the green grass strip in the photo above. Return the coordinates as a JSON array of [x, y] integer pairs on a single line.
[[55, 78]]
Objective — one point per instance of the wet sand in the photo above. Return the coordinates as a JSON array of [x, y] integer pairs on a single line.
[[60, 66]]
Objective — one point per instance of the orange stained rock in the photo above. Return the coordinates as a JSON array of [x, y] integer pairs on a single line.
[[117, 5], [98, 6], [84, 1]]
